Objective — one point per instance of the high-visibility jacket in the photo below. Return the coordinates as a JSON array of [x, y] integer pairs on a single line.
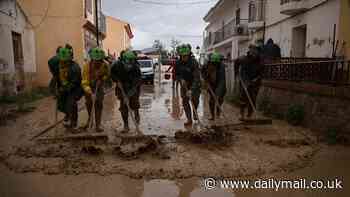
[[91, 74]]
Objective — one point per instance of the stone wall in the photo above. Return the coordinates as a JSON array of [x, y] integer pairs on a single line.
[[8, 83], [325, 107]]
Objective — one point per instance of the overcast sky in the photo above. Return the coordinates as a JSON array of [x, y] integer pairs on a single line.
[[150, 22]]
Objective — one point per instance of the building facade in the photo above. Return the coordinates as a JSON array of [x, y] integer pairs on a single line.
[[119, 35], [302, 28], [344, 29], [17, 51], [57, 23]]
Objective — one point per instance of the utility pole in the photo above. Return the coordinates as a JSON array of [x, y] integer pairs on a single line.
[[96, 23]]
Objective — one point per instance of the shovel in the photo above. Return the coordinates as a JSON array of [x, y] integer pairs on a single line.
[[256, 120], [194, 109]]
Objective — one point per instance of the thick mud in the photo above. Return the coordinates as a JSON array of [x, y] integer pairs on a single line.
[[251, 152], [234, 151]]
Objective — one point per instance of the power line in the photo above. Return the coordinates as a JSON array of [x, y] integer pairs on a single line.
[[44, 17], [174, 3]]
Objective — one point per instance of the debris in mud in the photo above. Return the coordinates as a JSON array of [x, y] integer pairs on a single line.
[[163, 152], [288, 143], [82, 138], [46, 151], [135, 145], [93, 150], [78, 165], [217, 134]]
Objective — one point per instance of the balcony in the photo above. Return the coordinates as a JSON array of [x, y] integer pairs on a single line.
[[102, 26], [256, 18], [293, 7], [230, 30]]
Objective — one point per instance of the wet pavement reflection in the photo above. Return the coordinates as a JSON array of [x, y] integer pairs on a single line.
[[161, 110]]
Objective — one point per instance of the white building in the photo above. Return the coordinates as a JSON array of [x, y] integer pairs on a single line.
[[17, 51], [302, 28]]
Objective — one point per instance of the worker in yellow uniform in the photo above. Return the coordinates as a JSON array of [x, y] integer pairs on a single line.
[[95, 74]]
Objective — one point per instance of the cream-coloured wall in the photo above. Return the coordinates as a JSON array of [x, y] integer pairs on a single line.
[[55, 24], [319, 22], [273, 10], [117, 38], [344, 28]]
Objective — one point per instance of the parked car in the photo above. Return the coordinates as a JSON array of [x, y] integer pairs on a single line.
[[147, 70]]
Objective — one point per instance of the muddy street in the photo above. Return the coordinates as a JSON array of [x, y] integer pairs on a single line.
[[49, 167]]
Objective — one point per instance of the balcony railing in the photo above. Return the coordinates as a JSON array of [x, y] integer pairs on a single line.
[[231, 29], [256, 11], [292, 7], [322, 72], [102, 23]]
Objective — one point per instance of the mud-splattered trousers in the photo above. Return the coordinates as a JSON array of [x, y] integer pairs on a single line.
[[129, 77], [215, 77], [69, 91], [93, 83], [250, 73], [188, 74]]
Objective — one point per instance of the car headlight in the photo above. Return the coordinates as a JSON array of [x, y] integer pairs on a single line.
[[148, 73]]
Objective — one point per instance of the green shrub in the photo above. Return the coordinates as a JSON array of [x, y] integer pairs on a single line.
[[8, 99], [295, 114]]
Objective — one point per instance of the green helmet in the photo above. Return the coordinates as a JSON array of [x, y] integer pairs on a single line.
[[129, 55], [97, 54], [215, 57], [184, 50], [65, 54]]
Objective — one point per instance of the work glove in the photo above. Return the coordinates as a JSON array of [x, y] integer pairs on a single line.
[[88, 91]]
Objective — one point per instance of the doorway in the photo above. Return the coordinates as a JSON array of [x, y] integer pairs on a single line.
[[299, 41], [18, 60]]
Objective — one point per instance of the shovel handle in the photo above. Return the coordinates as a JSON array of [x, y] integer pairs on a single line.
[[249, 97]]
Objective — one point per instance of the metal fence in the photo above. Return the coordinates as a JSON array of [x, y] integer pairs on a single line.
[[323, 72], [231, 29]]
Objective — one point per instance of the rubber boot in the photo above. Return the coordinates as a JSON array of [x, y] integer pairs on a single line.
[[137, 116], [187, 109], [88, 105], [125, 122]]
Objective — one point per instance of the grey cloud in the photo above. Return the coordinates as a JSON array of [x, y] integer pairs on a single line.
[[152, 22]]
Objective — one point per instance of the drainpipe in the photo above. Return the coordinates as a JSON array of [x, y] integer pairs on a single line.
[[96, 23]]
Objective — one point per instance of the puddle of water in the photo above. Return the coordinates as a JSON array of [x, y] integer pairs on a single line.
[[161, 110]]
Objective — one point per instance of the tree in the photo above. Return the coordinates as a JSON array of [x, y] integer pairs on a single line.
[[157, 44], [174, 43]]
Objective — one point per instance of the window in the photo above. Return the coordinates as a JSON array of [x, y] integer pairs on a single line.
[[18, 60], [17, 48], [238, 16], [252, 12], [88, 7]]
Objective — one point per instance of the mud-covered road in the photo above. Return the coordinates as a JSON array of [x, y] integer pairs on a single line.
[[171, 168]]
